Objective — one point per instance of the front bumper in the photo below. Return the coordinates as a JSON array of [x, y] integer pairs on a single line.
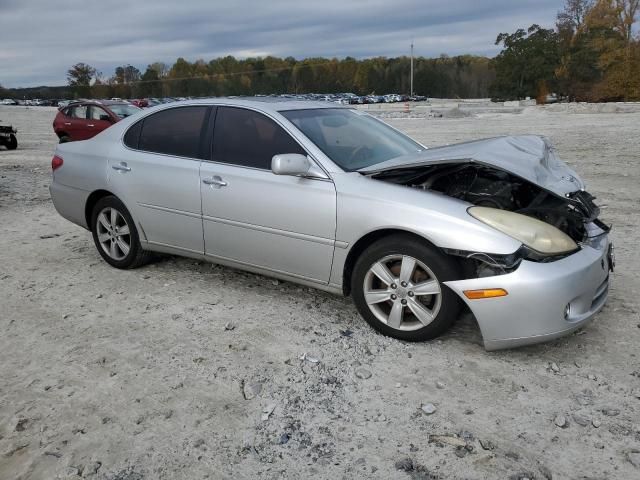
[[545, 300]]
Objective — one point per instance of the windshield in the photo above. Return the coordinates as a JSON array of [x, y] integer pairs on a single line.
[[123, 109], [350, 138]]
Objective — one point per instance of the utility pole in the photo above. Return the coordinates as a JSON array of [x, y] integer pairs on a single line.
[[412, 67]]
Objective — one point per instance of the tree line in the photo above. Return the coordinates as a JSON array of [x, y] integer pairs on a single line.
[[464, 76], [592, 54]]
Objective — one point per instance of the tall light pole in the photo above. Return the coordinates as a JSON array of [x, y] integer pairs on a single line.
[[412, 67]]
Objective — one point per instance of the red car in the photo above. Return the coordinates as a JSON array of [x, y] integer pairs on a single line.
[[140, 102], [83, 120]]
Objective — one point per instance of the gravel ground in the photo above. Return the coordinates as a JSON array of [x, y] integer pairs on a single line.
[[188, 370]]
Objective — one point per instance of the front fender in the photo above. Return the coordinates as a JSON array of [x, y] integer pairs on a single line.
[[365, 205]]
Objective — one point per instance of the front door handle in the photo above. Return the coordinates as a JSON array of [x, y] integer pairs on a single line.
[[214, 181], [121, 167], [90, 125]]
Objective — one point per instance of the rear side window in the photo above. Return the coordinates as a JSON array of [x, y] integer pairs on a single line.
[[78, 112], [248, 138], [176, 131]]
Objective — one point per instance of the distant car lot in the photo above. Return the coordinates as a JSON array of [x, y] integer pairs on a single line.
[[342, 98]]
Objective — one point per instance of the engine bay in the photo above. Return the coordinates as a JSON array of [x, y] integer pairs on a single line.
[[488, 186]]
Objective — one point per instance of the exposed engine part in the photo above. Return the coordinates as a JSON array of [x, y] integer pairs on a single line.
[[491, 187]]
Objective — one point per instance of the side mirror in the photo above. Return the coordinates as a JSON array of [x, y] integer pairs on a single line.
[[292, 164], [105, 117], [296, 165]]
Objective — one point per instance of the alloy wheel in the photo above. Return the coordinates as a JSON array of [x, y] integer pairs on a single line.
[[402, 292], [114, 234]]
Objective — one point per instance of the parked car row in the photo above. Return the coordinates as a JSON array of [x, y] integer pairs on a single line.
[[83, 119], [352, 98], [341, 98]]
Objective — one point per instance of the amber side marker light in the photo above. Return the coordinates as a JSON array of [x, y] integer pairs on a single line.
[[486, 293]]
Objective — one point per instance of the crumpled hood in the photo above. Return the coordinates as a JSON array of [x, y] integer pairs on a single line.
[[530, 157]]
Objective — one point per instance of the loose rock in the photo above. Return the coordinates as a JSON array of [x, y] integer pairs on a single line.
[[405, 464], [561, 421], [581, 419], [363, 373], [91, 469], [610, 412], [267, 411], [487, 444], [21, 425], [251, 390], [429, 408]]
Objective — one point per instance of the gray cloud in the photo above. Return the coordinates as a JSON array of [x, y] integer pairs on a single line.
[[41, 39]]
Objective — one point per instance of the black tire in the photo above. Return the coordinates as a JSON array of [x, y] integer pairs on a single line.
[[65, 139], [12, 143], [442, 267], [135, 256]]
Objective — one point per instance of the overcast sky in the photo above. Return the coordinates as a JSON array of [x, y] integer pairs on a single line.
[[41, 39]]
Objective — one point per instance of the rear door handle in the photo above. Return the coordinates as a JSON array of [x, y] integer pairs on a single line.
[[214, 181], [67, 123], [121, 167]]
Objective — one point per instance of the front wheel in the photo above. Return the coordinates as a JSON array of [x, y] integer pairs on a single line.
[[397, 286], [12, 143], [115, 234]]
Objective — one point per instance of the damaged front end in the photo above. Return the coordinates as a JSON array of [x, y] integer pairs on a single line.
[[516, 174]]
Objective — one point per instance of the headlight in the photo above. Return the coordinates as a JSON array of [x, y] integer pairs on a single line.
[[533, 233]]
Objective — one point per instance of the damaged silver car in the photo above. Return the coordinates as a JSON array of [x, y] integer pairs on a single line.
[[333, 198]]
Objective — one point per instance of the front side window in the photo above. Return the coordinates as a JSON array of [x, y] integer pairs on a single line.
[[95, 113], [175, 131], [248, 138], [124, 110], [351, 139]]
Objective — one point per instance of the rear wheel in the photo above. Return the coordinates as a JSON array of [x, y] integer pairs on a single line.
[[65, 139], [115, 234], [397, 286]]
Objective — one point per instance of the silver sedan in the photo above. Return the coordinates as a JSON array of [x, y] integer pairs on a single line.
[[330, 197]]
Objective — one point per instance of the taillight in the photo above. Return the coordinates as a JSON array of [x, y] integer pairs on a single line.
[[56, 162]]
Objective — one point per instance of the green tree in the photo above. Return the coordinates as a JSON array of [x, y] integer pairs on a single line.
[[527, 63], [79, 78]]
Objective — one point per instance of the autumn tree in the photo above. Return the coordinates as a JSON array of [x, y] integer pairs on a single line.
[[608, 29]]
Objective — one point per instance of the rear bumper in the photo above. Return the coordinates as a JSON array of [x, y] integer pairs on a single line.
[[544, 301], [70, 202]]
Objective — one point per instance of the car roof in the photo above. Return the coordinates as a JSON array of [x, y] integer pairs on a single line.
[[269, 104], [97, 102]]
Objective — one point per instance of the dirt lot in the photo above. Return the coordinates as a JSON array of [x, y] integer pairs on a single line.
[[128, 375]]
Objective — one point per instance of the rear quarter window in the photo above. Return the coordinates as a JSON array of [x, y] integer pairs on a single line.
[[132, 136]]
